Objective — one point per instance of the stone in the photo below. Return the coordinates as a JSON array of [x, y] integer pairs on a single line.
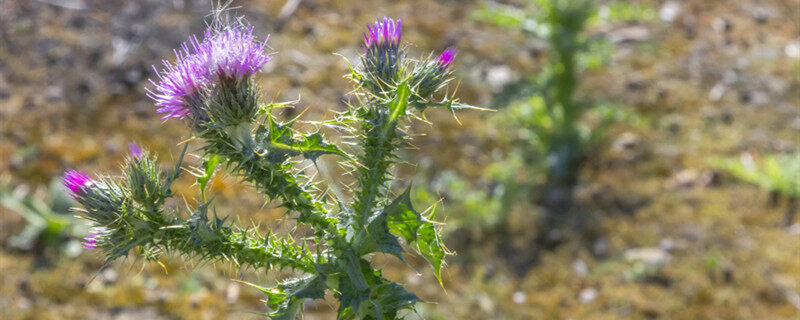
[[587, 295], [653, 258], [669, 11]]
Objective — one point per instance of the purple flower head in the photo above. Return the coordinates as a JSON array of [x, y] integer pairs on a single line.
[[231, 53], [76, 181], [134, 150], [446, 58], [178, 83], [90, 242], [386, 32]]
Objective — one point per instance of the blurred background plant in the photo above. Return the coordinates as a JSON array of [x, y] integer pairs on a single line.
[[778, 174], [546, 125], [51, 228], [551, 126]]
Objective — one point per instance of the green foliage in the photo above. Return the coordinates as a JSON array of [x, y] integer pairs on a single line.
[[774, 173], [547, 126], [547, 121], [50, 224], [550, 128], [503, 16], [209, 165], [239, 134], [625, 11]]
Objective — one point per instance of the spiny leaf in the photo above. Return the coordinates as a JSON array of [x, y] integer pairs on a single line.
[[389, 298], [430, 246], [401, 217], [398, 218], [209, 165], [281, 138], [176, 172], [313, 146], [382, 240], [354, 289], [397, 107], [279, 132], [287, 298]]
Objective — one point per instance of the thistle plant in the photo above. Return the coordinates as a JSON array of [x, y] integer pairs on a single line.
[[211, 87], [552, 129]]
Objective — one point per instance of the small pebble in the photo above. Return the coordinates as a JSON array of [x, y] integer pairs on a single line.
[[587, 295], [519, 297], [669, 11], [580, 268]]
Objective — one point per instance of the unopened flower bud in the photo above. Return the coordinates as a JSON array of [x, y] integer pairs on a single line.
[[432, 75], [382, 55], [103, 202], [143, 176]]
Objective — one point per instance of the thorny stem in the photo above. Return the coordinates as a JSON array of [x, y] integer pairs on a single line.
[[200, 237], [271, 178]]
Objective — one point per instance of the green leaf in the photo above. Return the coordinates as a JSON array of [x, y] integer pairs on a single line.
[[287, 298], [209, 165], [382, 240], [354, 289], [778, 173], [407, 223], [401, 217], [389, 298], [176, 171], [281, 138], [279, 132], [397, 107], [313, 146], [430, 246]]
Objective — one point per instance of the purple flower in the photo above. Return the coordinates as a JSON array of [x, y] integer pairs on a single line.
[[177, 83], [90, 242], [446, 58], [134, 150], [231, 53], [386, 32], [76, 181]]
